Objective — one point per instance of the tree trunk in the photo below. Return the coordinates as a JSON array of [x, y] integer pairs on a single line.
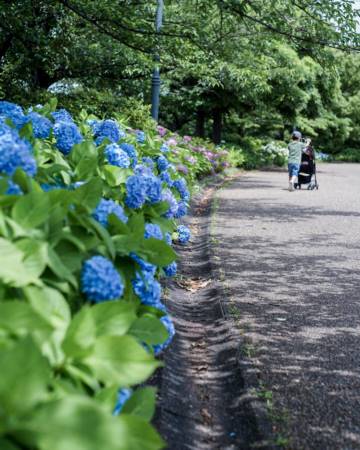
[[200, 123], [217, 125]]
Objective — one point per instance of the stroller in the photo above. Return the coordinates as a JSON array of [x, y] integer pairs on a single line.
[[307, 172]]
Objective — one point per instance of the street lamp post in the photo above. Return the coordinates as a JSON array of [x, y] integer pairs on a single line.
[[155, 82]]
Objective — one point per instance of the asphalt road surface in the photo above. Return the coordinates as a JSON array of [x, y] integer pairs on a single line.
[[291, 264]]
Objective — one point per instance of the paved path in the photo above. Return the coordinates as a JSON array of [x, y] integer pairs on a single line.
[[292, 266]]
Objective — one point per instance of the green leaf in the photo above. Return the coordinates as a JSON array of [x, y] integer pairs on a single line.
[[85, 156], [141, 403], [107, 397], [35, 255], [7, 445], [59, 268], [117, 226], [120, 360], [32, 210], [149, 330], [81, 423], [89, 194], [50, 304], [12, 268], [19, 318], [115, 176], [113, 318], [24, 377], [81, 334], [157, 252], [104, 235]]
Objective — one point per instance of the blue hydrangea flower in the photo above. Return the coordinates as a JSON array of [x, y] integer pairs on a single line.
[[145, 266], [13, 112], [14, 153], [61, 115], [108, 129], [140, 136], [13, 189], [148, 162], [168, 238], [130, 150], [162, 163], [167, 322], [122, 397], [50, 187], [166, 178], [106, 207], [4, 128], [67, 135], [182, 210], [171, 269], [181, 187], [153, 189], [100, 280], [167, 196], [153, 231], [135, 191], [41, 125], [143, 170], [164, 148], [147, 288], [116, 156], [93, 123], [184, 234]]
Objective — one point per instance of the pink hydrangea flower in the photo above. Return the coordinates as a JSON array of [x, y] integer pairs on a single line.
[[161, 130], [183, 169], [187, 138], [172, 141]]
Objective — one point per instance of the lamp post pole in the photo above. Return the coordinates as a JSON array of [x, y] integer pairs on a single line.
[[155, 82]]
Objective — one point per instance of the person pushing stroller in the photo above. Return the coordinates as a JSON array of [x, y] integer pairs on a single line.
[[296, 149]]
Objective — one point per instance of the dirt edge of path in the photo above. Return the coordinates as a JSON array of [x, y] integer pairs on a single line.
[[205, 367]]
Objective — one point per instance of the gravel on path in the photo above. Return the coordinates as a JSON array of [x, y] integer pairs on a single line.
[[290, 262]]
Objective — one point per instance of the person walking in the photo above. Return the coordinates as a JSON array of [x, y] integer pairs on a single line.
[[296, 147]]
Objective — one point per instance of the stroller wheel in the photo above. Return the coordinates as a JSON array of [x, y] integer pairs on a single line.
[[309, 188]]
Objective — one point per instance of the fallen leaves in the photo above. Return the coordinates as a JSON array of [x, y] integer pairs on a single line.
[[193, 284]]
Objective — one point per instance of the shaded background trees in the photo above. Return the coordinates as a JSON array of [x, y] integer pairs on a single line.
[[231, 69]]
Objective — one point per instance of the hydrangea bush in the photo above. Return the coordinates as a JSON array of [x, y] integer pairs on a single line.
[[87, 222]]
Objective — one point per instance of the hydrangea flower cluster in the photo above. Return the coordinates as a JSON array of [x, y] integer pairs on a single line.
[[62, 115], [106, 207], [167, 322], [148, 289], [108, 129], [184, 234], [171, 269], [140, 136], [14, 113], [181, 187], [162, 163], [41, 125], [100, 280], [116, 156], [165, 177], [122, 397], [67, 135], [153, 231], [168, 196], [130, 150], [164, 148], [182, 210], [16, 153]]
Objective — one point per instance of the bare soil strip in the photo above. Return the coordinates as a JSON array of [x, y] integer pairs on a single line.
[[203, 400]]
